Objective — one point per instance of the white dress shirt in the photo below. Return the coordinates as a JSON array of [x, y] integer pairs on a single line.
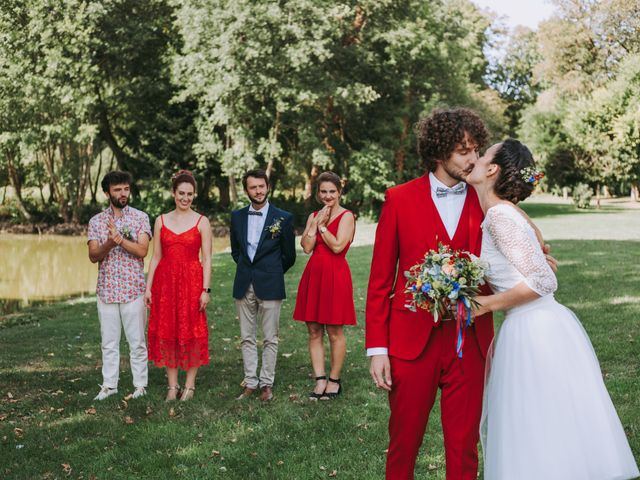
[[255, 226], [450, 209], [450, 206]]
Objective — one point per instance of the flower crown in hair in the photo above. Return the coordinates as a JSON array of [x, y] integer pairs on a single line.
[[181, 173], [531, 175]]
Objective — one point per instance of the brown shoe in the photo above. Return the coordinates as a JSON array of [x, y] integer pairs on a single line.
[[246, 393], [267, 394]]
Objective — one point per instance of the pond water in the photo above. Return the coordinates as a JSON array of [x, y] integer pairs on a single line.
[[46, 268]]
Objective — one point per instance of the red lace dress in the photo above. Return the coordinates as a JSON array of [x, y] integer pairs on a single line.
[[325, 293], [178, 333]]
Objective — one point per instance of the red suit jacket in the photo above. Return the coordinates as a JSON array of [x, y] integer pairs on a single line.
[[406, 231]]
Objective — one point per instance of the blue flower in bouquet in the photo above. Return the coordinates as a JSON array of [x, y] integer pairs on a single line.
[[434, 271], [426, 288], [456, 286]]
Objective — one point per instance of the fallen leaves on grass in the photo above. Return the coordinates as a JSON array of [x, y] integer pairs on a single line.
[[66, 468], [90, 411], [172, 412], [128, 420], [334, 473], [18, 432]]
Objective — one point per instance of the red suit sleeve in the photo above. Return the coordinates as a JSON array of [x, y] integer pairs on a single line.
[[383, 275]]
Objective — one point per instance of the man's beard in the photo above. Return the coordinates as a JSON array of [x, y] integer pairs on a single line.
[[459, 175], [256, 202], [117, 202]]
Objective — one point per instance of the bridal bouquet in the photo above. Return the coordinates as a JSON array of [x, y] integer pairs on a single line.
[[445, 280]]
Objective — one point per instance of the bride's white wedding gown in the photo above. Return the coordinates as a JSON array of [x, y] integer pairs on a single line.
[[547, 414]]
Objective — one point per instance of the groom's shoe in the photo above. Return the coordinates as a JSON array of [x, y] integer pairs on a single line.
[[246, 393], [267, 394], [105, 392]]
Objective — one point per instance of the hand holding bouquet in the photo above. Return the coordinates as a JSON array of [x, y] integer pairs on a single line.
[[445, 279]]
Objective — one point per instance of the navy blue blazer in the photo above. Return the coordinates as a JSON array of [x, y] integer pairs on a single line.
[[275, 255]]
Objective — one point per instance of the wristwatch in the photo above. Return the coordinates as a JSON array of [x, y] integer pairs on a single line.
[[208, 290], [322, 230]]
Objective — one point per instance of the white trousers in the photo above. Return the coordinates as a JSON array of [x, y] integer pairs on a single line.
[[131, 316]]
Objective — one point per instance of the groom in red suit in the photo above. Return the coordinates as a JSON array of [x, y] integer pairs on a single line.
[[411, 356]]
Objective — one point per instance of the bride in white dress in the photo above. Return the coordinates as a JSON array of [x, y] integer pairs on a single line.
[[547, 414]]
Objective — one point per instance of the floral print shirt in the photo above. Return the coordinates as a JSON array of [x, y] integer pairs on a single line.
[[120, 274]]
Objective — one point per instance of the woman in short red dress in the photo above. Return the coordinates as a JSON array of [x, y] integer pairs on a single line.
[[325, 293], [178, 289]]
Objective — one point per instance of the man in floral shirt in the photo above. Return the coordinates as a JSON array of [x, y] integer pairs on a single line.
[[119, 240]]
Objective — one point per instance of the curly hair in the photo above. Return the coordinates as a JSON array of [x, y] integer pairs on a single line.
[[439, 133], [512, 157], [183, 176]]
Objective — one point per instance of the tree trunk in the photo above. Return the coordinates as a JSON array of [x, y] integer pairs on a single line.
[[401, 153], [84, 179], [605, 192], [273, 138], [223, 188], [94, 187], [56, 191], [16, 183], [635, 194], [233, 192], [598, 196], [308, 185]]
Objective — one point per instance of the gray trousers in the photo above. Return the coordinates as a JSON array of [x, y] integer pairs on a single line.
[[249, 309]]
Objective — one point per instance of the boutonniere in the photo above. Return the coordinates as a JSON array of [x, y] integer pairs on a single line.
[[125, 231], [275, 228]]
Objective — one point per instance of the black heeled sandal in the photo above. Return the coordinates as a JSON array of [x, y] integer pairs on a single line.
[[314, 395], [332, 395]]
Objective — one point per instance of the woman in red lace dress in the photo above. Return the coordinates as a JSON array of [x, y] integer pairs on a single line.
[[178, 289], [325, 293]]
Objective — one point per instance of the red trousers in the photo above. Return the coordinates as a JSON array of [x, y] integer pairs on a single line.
[[415, 385]]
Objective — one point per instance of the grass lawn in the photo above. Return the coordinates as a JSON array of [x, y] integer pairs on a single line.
[[50, 370], [540, 210]]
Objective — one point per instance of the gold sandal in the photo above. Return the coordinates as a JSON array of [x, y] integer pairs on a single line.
[[187, 394], [172, 393]]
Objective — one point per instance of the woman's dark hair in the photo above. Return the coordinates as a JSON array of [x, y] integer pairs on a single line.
[[512, 157], [439, 133], [327, 177], [182, 176], [115, 178], [255, 173]]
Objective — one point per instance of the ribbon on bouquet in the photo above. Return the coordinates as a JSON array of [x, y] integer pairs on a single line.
[[462, 323]]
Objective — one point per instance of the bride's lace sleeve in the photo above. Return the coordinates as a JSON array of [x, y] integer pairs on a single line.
[[512, 239]]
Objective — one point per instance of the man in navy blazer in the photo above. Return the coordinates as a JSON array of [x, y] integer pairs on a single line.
[[263, 247]]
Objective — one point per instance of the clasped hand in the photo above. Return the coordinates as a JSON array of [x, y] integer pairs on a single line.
[[114, 235], [322, 219]]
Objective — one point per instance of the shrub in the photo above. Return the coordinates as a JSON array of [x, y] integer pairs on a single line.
[[582, 195]]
